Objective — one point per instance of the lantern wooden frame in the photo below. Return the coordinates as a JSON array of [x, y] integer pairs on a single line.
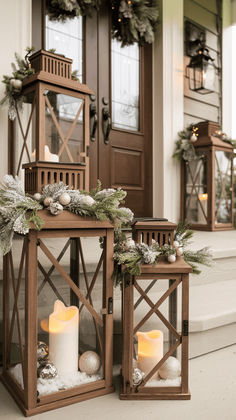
[[177, 273], [207, 143], [52, 73], [73, 227]]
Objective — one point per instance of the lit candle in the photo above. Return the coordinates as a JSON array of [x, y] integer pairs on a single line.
[[48, 156], [64, 338], [150, 350], [202, 207]]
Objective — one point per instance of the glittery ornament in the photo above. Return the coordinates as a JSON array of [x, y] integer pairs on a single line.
[[89, 362], [64, 199], [55, 208], [137, 376], [47, 370], [37, 196], [170, 369], [171, 258], [47, 201], [12, 112], [42, 351]]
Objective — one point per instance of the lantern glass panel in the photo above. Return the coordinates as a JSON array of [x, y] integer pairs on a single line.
[[208, 76], [25, 138], [223, 187], [64, 128], [157, 330], [196, 196]]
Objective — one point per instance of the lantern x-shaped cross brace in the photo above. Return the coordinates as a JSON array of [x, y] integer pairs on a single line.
[[24, 136], [194, 187], [15, 312], [64, 139], [70, 282], [154, 309], [223, 190]]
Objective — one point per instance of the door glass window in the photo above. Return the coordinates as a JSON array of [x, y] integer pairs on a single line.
[[125, 86], [67, 39]]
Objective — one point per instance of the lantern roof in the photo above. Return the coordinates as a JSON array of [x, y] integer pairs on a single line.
[[54, 69], [209, 135]]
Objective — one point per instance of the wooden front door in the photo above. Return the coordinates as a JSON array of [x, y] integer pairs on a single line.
[[121, 116]]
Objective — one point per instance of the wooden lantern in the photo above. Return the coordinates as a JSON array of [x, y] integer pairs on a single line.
[[207, 182], [52, 133], [34, 311], [146, 229], [155, 331]]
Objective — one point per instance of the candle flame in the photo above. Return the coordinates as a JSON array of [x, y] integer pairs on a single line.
[[203, 197]]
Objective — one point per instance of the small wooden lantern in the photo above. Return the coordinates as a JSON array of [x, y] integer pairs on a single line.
[[52, 133], [207, 182], [59, 309], [147, 229], [155, 342]]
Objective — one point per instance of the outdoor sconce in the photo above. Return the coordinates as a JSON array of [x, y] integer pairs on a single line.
[[207, 181], [155, 324], [201, 71], [58, 333], [52, 133]]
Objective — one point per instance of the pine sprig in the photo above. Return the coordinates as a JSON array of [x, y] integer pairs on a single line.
[[202, 256]]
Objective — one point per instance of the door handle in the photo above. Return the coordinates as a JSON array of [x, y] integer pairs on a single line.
[[106, 124], [93, 119]]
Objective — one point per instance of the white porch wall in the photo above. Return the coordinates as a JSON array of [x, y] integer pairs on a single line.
[[167, 109], [15, 36]]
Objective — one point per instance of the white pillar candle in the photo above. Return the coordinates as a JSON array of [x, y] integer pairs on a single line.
[[48, 156], [64, 338], [150, 350]]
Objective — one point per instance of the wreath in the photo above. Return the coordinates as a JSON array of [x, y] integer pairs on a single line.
[[132, 20]]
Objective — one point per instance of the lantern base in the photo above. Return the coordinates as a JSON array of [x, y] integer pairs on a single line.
[[64, 397]]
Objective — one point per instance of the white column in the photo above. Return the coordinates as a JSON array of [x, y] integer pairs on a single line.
[[227, 68], [15, 36], [168, 109]]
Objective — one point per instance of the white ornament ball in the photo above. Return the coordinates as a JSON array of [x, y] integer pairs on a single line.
[[181, 250], [55, 208], [130, 243], [193, 138], [16, 84], [64, 198], [37, 196], [176, 244], [89, 362], [47, 201], [171, 368], [171, 258]]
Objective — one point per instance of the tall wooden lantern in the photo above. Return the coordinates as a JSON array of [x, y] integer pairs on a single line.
[[58, 314], [155, 330], [52, 133], [207, 182]]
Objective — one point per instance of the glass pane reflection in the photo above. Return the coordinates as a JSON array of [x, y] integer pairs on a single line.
[[223, 187], [196, 197], [125, 86], [67, 39]]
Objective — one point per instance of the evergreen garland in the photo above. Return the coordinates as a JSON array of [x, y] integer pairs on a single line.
[[184, 149], [60, 10], [134, 21], [13, 84]]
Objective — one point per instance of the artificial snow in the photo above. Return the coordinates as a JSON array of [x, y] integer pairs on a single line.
[[48, 386], [164, 382]]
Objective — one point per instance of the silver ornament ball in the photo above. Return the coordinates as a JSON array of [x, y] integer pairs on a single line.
[[55, 208], [42, 351], [137, 376], [47, 201], [176, 244], [64, 199], [193, 138], [16, 84], [89, 362], [171, 368], [47, 370], [37, 196]]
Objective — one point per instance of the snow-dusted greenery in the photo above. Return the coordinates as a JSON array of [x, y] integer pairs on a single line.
[[17, 210], [129, 256]]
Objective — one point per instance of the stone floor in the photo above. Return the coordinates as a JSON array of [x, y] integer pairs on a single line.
[[212, 385]]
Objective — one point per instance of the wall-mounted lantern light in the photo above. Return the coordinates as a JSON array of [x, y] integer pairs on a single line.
[[201, 70]]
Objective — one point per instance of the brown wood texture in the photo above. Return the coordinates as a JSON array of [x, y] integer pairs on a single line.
[[178, 273]]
